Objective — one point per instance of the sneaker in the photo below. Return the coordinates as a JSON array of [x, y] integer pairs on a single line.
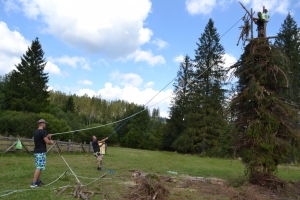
[[39, 183], [99, 168], [33, 185]]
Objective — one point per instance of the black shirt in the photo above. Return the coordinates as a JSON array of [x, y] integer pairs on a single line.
[[260, 24], [95, 146], [40, 144]]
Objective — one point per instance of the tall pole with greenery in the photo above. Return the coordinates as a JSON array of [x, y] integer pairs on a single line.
[[27, 88], [264, 122]]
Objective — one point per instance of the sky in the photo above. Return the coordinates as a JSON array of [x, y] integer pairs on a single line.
[[127, 50]]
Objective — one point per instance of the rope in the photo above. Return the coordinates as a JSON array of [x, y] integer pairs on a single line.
[[231, 28], [78, 181], [56, 179], [128, 118], [96, 179]]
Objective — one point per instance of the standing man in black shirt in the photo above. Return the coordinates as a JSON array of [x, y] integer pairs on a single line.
[[41, 138], [96, 148], [260, 25]]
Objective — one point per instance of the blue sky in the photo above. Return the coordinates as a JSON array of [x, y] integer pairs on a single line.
[[124, 49]]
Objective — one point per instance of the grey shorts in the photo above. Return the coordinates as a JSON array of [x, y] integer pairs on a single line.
[[98, 156]]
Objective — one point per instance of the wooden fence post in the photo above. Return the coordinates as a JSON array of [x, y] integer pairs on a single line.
[[69, 145], [90, 146]]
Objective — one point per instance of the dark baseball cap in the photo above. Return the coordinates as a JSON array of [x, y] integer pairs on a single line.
[[42, 121]]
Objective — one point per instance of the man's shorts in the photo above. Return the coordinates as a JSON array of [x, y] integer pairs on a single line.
[[98, 156], [40, 160]]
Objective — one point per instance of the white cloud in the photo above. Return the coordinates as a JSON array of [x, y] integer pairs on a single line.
[[229, 60], [86, 66], [178, 59], [160, 43], [131, 92], [138, 96], [129, 79], [10, 5], [88, 92], [149, 85], [12, 46], [205, 7], [69, 61], [114, 28], [280, 6], [50, 88], [100, 61], [195, 7], [52, 68], [85, 82], [148, 57]]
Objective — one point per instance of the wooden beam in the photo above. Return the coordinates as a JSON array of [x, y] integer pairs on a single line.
[[251, 16], [247, 11], [10, 146], [25, 147], [266, 38]]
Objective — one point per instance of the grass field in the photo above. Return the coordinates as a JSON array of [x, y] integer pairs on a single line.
[[16, 173]]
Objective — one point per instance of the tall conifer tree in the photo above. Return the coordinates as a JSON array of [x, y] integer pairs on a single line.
[[175, 124], [288, 42], [28, 84], [205, 119]]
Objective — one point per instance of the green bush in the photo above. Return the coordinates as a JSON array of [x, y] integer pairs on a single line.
[[18, 123]]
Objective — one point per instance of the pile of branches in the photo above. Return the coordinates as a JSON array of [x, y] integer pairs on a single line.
[[148, 187], [267, 180]]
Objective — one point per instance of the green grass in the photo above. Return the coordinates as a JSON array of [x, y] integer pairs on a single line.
[[16, 172]]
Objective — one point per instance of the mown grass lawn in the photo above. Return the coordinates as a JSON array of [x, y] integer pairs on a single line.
[[16, 172]]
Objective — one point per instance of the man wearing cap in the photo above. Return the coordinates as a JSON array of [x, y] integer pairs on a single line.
[[41, 138]]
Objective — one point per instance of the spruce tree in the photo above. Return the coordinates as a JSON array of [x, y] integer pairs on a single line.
[[175, 123], [70, 105], [264, 122], [205, 120], [288, 42], [28, 84], [3, 83]]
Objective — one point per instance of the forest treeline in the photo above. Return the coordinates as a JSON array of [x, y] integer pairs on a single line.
[[209, 115]]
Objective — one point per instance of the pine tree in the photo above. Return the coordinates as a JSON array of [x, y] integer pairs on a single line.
[[28, 84], [3, 83], [205, 119], [264, 122], [175, 124], [288, 42], [70, 105]]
